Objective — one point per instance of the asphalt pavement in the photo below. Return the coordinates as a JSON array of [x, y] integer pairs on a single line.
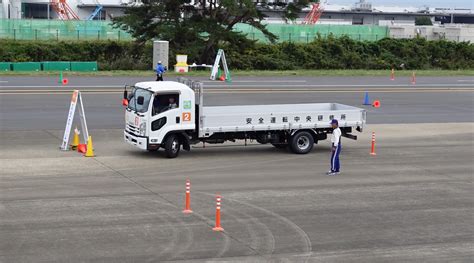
[[412, 202], [7, 82], [29, 103]]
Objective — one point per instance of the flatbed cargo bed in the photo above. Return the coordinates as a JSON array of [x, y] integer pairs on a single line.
[[278, 117]]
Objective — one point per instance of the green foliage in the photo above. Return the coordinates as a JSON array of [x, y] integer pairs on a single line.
[[423, 21], [109, 54], [346, 53], [323, 53], [203, 26]]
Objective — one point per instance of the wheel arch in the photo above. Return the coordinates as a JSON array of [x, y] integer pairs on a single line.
[[183, 138]]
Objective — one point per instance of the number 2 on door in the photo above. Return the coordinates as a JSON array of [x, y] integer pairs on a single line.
[[186, 116]]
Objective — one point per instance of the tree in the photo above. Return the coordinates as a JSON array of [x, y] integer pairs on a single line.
[[423, 21], [198, 29]]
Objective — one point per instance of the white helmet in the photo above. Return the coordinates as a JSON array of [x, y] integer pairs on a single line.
[[159, 61]]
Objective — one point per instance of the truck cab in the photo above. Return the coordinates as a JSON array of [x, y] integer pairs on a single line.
[[157, 110]]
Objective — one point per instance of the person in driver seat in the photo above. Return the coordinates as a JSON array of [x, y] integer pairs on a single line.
[[172, 103]]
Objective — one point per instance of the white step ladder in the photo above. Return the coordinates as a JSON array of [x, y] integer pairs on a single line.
[[220, 57]]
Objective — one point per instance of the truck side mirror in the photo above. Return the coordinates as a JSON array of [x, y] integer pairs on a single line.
[[140, 100], [125, 98]]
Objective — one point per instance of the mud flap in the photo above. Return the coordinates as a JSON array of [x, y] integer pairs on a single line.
[[185, 142]]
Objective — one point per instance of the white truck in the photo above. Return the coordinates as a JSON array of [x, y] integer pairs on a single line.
[[172, 115]]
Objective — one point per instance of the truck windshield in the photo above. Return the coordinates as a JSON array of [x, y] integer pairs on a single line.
[[133, 102]]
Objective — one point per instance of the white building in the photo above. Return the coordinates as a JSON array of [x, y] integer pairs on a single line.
[[24, 9], [361, 13]]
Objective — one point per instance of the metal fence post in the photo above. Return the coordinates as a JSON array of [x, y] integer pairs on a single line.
[[289, 38], [119, 35], [36, 34], [14, 34], [98, 34], [307, 38], [77, 34], [57, 34]]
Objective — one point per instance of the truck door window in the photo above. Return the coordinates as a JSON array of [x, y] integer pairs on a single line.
[[165, 102]]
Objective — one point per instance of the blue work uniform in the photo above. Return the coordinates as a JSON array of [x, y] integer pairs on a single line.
[[336, 143], [159, 72], [160, 69]]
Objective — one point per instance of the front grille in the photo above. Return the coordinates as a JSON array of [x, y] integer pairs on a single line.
[[132, 130]]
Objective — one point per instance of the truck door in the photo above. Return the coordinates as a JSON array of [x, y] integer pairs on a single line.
[[165, 115]]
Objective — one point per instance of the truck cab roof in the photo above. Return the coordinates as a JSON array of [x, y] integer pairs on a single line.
[[163, 86]]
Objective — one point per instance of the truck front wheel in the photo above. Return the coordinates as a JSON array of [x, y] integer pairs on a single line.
[[172, 146], [302, 142]]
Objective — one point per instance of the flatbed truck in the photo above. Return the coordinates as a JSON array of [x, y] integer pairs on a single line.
[[171, 115]]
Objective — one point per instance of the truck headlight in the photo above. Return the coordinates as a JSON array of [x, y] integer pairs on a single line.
[[142, 129]]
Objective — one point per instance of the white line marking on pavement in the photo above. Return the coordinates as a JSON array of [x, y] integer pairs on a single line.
[[343, 85], [65, 87], [466, 80], [273, 86], [242, 91], [258, 81]]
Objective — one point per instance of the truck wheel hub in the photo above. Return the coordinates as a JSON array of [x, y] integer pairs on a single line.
[[303, 142], [174, 146]]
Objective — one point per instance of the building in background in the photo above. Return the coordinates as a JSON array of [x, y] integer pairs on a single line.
[[42, 9], [361, 13], [362, 20]]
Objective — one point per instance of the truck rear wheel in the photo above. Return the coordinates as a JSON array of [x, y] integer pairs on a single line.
[[172, 146], [302, 142]]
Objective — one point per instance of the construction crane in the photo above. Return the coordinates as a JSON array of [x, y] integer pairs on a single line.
[[98, 9], [63, 10], [313, 16]]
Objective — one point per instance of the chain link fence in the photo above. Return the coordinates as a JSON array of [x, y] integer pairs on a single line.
[[37, 29], [307, 33]]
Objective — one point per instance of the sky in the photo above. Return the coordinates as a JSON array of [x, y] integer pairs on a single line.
[[415, 3]]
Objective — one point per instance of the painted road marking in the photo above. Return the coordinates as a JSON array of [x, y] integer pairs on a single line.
[[259, 81], [242, 91], [466, 80], [272, 86]]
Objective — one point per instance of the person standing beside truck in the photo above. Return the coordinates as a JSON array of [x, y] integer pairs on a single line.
[[160, 70], [335, 148]]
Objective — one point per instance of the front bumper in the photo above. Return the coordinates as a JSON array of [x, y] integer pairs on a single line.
[[140, 142]]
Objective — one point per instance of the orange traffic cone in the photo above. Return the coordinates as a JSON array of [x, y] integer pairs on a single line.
[[82, 148], [372, 150], [187, 206], [413, 78], [90, 148], [218, 226]]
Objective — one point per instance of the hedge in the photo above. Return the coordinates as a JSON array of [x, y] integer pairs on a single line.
[[322, 53], [110, 55]]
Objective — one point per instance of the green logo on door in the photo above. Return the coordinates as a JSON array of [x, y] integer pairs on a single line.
[[187, 104]]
